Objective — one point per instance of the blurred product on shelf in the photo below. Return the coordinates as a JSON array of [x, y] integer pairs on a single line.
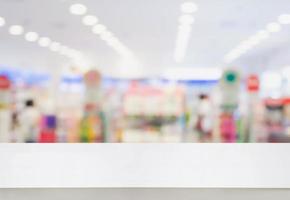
[[153, 114], [48, 125], [253, 122], [5, 111], [92, 125], [233, 109], [230, 117]]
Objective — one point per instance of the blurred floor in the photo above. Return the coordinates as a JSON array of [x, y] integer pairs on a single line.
[[144, 194]]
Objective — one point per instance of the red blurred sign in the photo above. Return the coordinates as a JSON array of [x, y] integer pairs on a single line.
[[253, 83], [274, 102], [4, 82], [47, 136], [92, 78]]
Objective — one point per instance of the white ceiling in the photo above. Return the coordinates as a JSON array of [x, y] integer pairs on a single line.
[[149, 29]]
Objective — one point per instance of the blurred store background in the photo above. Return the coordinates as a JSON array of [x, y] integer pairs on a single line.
[[144, 71]]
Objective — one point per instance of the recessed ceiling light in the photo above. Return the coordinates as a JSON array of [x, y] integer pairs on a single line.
[[184, 28], [231, 56], [257, 38], [113, 42], [189, 7], [123, 51], [44, 41], [106, 35], [69, 53], [90, 20], [262, 34], [273, 27], [78, 9], [254, 40], [64, 50], [99, 28], [284, 19], [2, 21], [76, 54], [179, 54], [246, 45], [55, 46], [16, 30], [31, 36], [186, 19], [241, 50]]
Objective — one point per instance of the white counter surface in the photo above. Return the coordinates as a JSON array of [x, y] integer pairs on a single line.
[[145, 165]]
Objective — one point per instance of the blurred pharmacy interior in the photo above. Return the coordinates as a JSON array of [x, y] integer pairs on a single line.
[[144, 71]]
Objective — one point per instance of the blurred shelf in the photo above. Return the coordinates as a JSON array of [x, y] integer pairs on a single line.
[[145, 165]]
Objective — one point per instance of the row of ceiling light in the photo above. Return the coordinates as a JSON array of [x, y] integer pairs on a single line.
[[30, 36], [100, 29], [184, 29], [257, 38]]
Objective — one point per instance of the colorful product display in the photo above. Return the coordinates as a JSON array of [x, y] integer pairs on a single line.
[[5, 111], [230, 111], [153, 114], [92, 125], [48, 129], [230, 118]]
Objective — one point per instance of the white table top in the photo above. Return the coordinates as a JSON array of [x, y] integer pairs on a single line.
[[145, 165]]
